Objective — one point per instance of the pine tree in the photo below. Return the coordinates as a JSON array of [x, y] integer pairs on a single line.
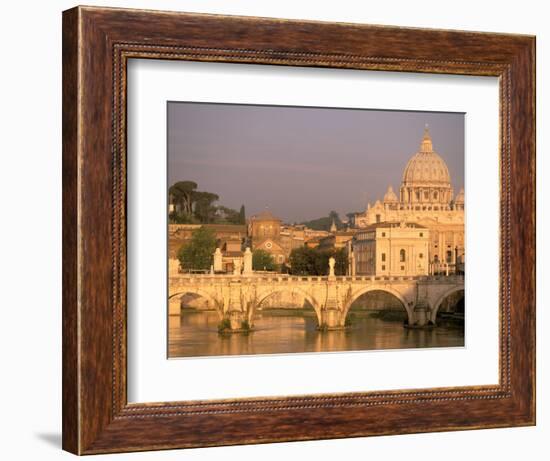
[[242, 216]]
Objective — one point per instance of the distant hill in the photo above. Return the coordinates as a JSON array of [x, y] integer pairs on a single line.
[[325, 222]]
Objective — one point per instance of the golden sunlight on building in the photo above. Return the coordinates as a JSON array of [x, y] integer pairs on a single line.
[[425, 199], [392, 249]]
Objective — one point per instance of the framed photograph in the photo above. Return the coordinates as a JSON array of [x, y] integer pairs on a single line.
[[281, 230]]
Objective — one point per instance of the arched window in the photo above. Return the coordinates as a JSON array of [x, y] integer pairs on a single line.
[[402, 256]]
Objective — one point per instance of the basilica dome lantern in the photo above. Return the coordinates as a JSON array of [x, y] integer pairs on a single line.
[[426, 183]]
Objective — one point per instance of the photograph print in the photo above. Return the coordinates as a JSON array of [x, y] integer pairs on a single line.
[[313, 229]]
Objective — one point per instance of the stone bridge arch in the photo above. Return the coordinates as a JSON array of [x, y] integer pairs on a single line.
[[437, 304], [358, 293], [174, 300], [264, 294]]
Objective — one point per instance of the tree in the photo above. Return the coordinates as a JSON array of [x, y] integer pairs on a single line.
[[242, 215], [321, 262], [325, 222], [312, 261], [229, 215], [341, 265], [302, 261], [204, 210], [198, 253], [263, 261], [182, 193], [180, 218], [193, 206]]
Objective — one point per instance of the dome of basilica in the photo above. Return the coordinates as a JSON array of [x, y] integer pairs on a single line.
[[426, 167]]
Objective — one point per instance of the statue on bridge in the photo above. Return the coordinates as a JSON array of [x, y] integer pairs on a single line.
[[331, 263]]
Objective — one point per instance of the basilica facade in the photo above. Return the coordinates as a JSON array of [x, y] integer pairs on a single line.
[[426, 198]]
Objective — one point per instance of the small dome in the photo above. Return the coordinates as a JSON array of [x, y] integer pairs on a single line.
[[460, 197], [265, 215], [426, 167], [390, 195]]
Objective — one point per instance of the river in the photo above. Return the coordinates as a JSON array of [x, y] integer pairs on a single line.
[[195, 334]]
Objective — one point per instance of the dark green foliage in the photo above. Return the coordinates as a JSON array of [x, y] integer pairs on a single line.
[[180, 218], [198, 253], [311, 261], [224, 325], [198, 207], [341, 257], [303, 261], [242, 216], [182, 194], [224, 214], [325, 222], [263, 261], [284, 269], [205, 211]]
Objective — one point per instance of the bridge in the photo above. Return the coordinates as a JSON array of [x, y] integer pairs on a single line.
[[237, 297]]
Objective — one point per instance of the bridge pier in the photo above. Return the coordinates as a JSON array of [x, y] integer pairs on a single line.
[[238, 322], [332, 315], [174, 306], [332, 319], [235, 321], [420, 316], [239, 305]]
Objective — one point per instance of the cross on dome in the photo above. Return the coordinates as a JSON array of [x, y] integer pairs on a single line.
[[426, 145]]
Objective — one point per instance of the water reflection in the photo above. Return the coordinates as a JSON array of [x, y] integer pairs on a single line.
[[195, 333]]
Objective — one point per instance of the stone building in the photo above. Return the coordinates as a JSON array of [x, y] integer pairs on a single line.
[[313, 233], [292, 237], [391, 249], [263, 226], [335, 241], [231, 256], [425, 198], [267, 232]]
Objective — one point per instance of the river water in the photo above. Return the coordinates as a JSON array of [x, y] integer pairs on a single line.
[[195, 334]]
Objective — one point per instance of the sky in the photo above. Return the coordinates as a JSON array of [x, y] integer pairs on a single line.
[[302, 162]]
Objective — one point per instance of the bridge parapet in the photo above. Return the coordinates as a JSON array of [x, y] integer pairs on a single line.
[[298, 278]]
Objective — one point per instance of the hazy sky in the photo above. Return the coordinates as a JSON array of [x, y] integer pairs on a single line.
[[300, 163]]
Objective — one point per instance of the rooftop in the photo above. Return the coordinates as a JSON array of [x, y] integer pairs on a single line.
[[388, 225], [265, 215]]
